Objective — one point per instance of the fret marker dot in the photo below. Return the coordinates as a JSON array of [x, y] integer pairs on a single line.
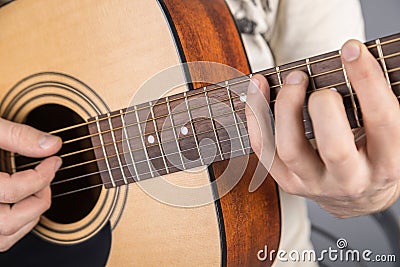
[[184, 130], [243, 98], [151, 139]]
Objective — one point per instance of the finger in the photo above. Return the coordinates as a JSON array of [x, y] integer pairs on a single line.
[[379, 106], [293, 147], [6, 242], [257, 111], [15, 217], [333, 134], [25, 140], [262, 138], [20, 185]]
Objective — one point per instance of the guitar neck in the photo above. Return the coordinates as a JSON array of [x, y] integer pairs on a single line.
[[207, 125]]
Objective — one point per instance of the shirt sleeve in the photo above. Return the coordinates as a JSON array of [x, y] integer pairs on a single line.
[[310, 27]]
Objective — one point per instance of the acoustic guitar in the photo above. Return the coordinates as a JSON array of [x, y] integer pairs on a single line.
[[72, 68]]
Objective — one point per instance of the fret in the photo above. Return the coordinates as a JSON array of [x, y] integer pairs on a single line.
[[352, 94], [328, 72], [191, 125], [224, 119], [143, 142], [158, 138], [130, 149], [175, 135], [391, 48], [278, 73], [114, 140], [149, 132], [312, 82], [383, 62], [104, 151], [213, 123], [234, 117]]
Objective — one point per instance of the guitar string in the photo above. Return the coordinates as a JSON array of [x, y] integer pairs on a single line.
[[170, 128], [175, 153], [265, 75], [137, 136], [395, 40], [235, 113], [164, 143], [166, 116], [140, 149], [202, 92], [153, 158], [193, 109], [143, 161], [341, 69], [198, 107], [117, 115], [132, 177]]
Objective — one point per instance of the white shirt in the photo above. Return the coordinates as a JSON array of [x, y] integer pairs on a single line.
[[276, 32]]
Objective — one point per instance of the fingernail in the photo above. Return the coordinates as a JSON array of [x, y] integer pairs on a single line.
[[295, 77], [254, 85], [334, 89], [57, 165], [351, 51], [47, 141]]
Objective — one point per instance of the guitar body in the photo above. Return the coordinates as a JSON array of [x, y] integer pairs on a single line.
[[67, 61]]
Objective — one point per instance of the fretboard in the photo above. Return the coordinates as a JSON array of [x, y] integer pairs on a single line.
[[207, 125]]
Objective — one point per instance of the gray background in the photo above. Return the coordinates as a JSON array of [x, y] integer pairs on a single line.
[[382, 17]]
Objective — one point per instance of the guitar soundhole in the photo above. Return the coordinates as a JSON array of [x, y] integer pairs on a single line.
[[77, 186]]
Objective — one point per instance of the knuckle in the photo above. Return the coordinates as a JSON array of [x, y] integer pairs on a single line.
[[382, 118], [290, 188], [353, 191], [16, 133], [334, 154], [287, 154], [370, 73], [9, 195], [314, 191], [389, 171]]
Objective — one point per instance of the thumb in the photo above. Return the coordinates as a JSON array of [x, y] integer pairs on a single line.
[[27, 141]]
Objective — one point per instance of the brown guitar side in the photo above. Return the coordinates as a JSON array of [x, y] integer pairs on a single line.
[[206, 31]]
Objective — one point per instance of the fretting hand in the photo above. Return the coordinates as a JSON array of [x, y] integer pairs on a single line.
[[25, 195], [345, 178]]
